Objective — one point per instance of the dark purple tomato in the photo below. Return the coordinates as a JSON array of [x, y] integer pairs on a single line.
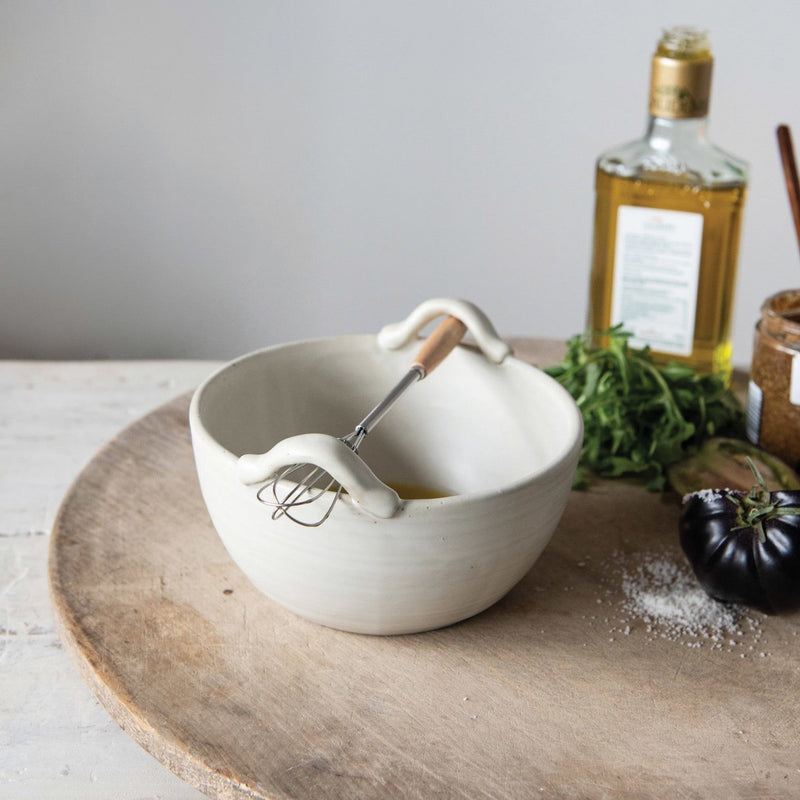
[[744, 547]]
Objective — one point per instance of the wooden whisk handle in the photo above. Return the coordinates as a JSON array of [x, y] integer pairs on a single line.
[[439, 344]]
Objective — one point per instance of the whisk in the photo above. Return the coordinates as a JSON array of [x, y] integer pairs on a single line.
[[312, 482]]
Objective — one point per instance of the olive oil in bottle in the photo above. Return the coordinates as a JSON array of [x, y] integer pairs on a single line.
[[667, 220]]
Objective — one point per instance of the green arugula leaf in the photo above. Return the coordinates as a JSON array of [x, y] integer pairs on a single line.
[[640, 417]]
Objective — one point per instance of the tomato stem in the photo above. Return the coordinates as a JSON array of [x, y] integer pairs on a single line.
[[756, 507]]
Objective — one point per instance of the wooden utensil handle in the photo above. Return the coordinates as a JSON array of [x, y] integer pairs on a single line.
[[439, 344], [790, 174]]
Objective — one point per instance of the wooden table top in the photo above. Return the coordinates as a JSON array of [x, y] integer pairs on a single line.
[[583, 682], [56, 740]]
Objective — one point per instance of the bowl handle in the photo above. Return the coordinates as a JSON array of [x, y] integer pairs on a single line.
[[365, 489], [478, 324]]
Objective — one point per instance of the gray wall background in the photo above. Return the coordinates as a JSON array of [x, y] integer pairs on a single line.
[[198, 179]]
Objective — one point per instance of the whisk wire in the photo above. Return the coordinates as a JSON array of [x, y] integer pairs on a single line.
[[306, 489]]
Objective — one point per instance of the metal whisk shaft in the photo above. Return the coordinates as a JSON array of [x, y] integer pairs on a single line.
[[310, 482]]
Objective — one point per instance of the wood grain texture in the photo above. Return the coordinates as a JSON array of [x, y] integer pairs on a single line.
[[556, 691], [56, 741]]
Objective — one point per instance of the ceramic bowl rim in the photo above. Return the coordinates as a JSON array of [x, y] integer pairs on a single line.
[[554, 462]]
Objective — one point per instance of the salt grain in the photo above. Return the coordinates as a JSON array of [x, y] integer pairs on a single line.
[[706, 494], [667, 599], [662, 591]]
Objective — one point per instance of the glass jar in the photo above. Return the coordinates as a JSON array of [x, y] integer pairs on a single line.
[[773, 397]]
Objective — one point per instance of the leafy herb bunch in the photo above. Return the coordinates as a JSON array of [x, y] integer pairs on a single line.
[[640, 417]]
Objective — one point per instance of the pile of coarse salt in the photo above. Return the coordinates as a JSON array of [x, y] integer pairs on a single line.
[[668, 600]]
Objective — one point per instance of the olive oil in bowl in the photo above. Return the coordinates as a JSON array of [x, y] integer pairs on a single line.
[[415, 491]]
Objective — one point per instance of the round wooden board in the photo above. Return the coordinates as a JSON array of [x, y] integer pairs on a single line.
[[559, 690]]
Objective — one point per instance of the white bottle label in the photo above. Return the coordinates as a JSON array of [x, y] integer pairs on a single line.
[[656, 269]]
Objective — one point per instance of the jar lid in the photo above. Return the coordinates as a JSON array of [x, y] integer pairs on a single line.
[[781, 314]]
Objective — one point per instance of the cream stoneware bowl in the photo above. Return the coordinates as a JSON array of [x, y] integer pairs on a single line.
[[497, 436]]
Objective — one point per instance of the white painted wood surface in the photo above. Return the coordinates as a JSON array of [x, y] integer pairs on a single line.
[[56, 741]]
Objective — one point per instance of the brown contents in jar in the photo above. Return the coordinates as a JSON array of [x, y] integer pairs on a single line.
[[773, 417]]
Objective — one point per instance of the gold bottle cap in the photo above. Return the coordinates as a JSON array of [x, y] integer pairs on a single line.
[[680, 82]]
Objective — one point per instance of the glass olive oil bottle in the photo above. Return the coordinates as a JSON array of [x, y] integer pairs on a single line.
[[667, 220]]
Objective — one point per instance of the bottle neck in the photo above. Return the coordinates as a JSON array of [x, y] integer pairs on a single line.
[[664, 134]]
